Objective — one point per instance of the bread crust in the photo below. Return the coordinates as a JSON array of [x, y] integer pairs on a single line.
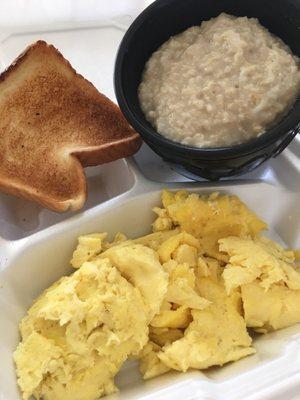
[[101, 134]]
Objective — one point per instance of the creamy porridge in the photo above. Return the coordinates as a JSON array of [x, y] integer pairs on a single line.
[[220, 83]]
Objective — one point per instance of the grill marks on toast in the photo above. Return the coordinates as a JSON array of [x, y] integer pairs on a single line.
[[49, 117]]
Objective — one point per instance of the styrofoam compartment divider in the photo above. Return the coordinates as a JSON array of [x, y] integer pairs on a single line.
[[36, 244]]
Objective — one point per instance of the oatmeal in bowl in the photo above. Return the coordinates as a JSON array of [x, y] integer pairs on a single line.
[[212, 86], [219, 84]]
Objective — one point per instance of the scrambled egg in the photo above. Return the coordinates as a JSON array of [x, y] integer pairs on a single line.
[[216, 335], [140, 265], [150, 364], [208, 218], [181, 297], [219, 241], [268, 280], [77, 335]]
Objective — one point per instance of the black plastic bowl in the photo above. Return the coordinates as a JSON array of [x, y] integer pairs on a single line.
[[165, 18]]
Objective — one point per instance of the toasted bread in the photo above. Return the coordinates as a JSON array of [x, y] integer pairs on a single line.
[[53, 123]]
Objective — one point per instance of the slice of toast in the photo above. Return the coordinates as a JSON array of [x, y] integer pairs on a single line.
[[53, 123]]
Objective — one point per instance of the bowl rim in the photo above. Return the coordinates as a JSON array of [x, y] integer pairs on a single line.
[[286, 124]]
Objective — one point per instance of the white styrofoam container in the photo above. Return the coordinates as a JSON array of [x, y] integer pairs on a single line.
[[36, 244]]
